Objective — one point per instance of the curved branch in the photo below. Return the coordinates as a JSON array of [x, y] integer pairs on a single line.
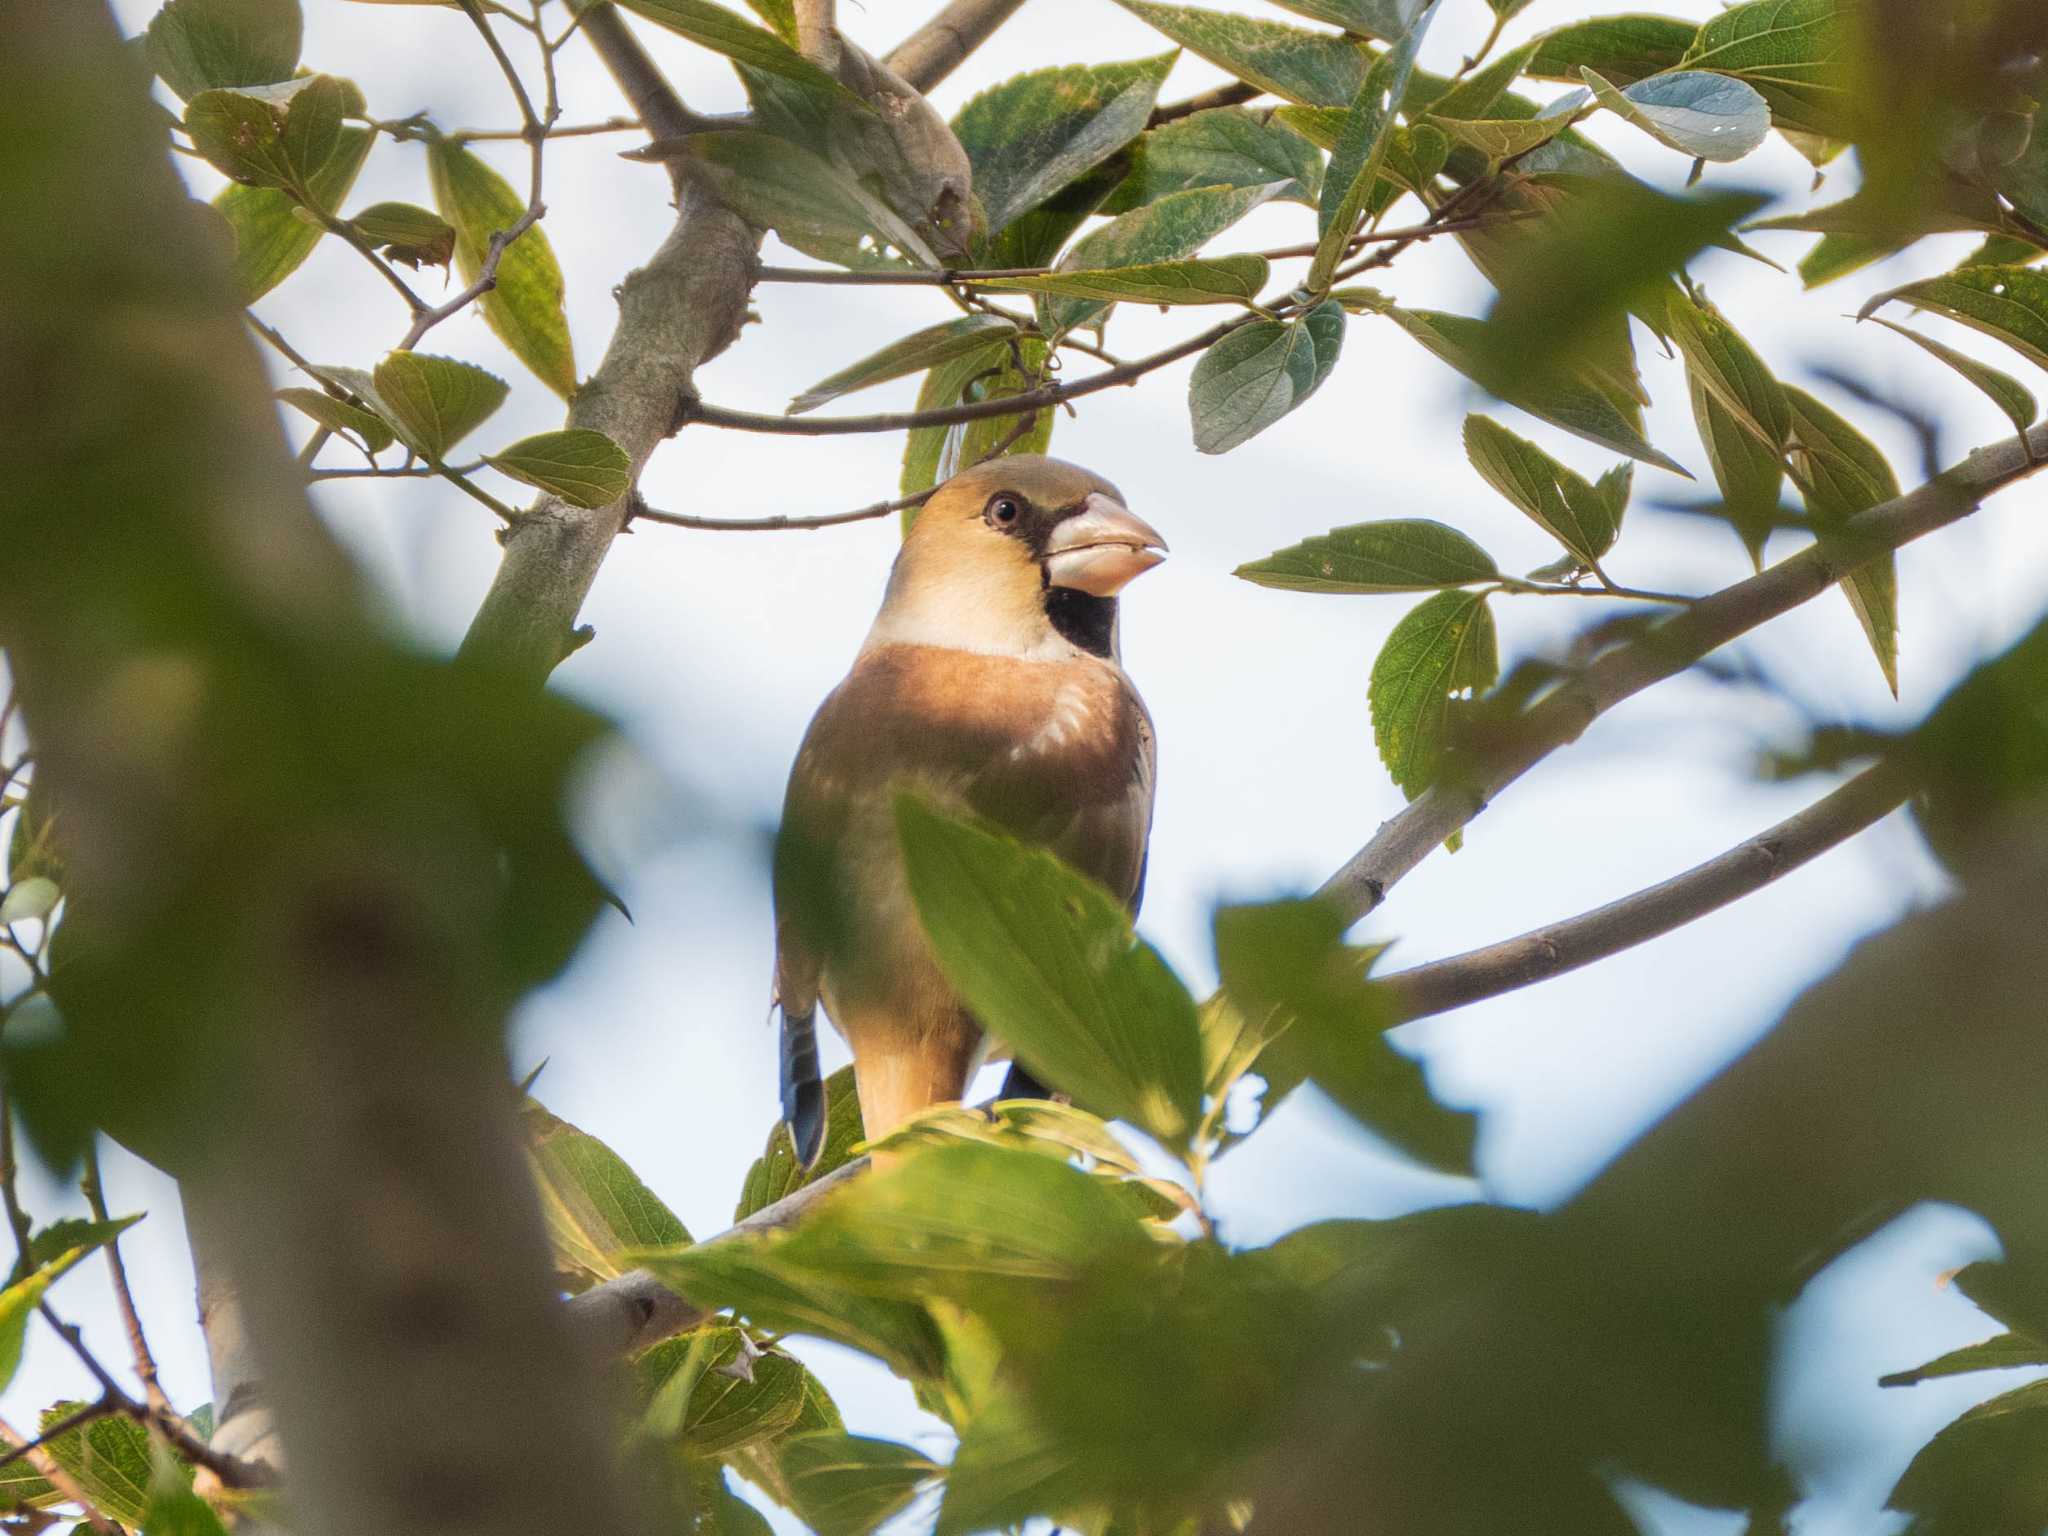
[[1405, 839], [1564, 946], [939, 47]]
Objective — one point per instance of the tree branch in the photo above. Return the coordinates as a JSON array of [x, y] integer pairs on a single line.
[[1407, 838], [939, 47], [653, 99], [1231, 94], [1542, 953]]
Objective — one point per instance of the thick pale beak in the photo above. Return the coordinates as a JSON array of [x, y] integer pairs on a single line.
[[1101, 548]]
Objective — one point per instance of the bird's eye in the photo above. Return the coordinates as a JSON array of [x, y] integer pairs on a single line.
[[1003, 511]]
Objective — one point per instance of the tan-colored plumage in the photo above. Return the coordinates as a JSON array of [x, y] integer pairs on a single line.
[[990, 686]]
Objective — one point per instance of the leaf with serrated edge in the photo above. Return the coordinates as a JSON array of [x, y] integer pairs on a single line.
[[848, 1485], [1707, 116], [525, 307], [2008, 304], [929, 348], [2002, 389], [1410, 554], [595, 1205], [1312, 68], [1792, 51], [1221, 147], [1442, 648], [1172, 229], [435, 402], [585, 468]]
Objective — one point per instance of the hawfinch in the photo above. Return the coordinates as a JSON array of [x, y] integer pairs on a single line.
[[990, 685]]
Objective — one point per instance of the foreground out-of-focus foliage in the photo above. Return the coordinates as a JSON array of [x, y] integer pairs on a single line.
[[1046, 1274]]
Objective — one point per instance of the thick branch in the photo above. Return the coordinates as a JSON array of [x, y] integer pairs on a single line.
[[1648, 914], [938, 47], [654, 100], [1406, 839]]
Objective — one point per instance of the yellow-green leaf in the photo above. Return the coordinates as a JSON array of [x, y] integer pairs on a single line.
[[584, 468], [434, 402]]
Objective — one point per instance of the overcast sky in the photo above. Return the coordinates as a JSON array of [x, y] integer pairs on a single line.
[[713, 649]]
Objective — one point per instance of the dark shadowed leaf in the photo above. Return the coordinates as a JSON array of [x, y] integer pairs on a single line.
[[434, 402], [242, 136], [407, 233], [1355, 162], [1841, 472], [1581, 517], [778, 1171], [1313, 68], [525, 308], [271, 240], [1260, 372], [595, 1206], [583, 467], [2008, 1351], [1172, 229], [1222, 147], [1029, 137], [1986, 1472], [2002, 389], [1443, 651], [1622, 48], [1707, 116], [931, 347], [847, 1485], [1792, 51], [205, 45], [1409, 554], [700, 1399], [2009, 304], [1048, 962], [1215, 280], [714, 27]]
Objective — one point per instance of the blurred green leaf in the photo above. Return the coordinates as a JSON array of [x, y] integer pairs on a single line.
[[525, 308], [1791, 51], [1748, 473], [1220, 147], [1584, 519], [2002, 389], [1355, 162], [1837, 255], [1260, 372], [1841, 472], [595, 1206], [1442, 650], [1019, 368], [714, 1391], [1624, 49], [434, 402], [1288, 959], [847, 1485], [203, 45], [312, 126], [1708, 116], [175, 1508], [714, 27], [1312, 68], [2009, 304], [778, 1171], [1409, 554], [583, 467], [1031, 136], [242, 136], [921, 350], [407, 233], [2006, 1352], [1985, 1473], [1169, 230], [1569, 401], [271, 240], [340, 416], [109, 1459], [774, 184], [18, 1303], [924, 448], [1047, 961], [1216, 280], [63, 1243], [1321, 126], [1729, 369], [29, 900]]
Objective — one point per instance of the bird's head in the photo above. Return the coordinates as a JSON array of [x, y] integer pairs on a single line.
[[1020, 556]]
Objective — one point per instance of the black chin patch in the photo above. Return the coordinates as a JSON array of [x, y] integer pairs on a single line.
[[1083, 620]]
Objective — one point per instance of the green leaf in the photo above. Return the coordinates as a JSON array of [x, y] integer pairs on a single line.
[[242, 136], [1260, 372], [929, 348], [1560, 501], [271, 240], [1837, 255], [434, 402], [847, 1485], [1029, 137], [2006, 1352], [924, 449], [585, 468], [1047, 961], [1791, 51], [1624, 49], [1474, 96], [1840, 473], [1409, 554], [2002, 389], [970, 442], [1321, 126], [1569, 401], [774, 184], [714, 27], [1355, 162], [109, 1459], [312, 126], [1383, 19], [18, 1303], [205, 45], [1288, 959], [407, 233], [175, 1509], [1216, 280], [778, 1171], [2009, 304], [700, 1398], [1707, 116], [1748, 473], [1729, 369], [525, 308], [1175, 227], [1312, 68], [340, 416], [1221, 147], [1442, 650], [29, 900], [595, 1206], [1501, 138], [1985, 1473]]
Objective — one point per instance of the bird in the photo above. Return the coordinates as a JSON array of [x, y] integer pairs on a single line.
[[991, 684]]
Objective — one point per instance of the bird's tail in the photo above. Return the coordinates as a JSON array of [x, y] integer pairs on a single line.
[[803, 1094]]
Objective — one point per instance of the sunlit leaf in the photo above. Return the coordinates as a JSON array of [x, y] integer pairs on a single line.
[[1313, 68], [1443, 650], [434, 402], [1355, 162], [271, 240], [1410, 554], [595, 1206], [847, 1485], [108, 1459], [205, 45], [1215, 280], [2002, 389], [1791, 51], [242, 136], [1501, 138], [778, 1171], [706, 1402], [584, 468], [931, 347]]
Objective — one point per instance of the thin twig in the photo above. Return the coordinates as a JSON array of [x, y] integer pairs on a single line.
[[10, 1171], [124, 1298], [91, 1413], [51, 1472], [1565, 946], [403, 472], [1235, 93], [572, 131], [1517, 584]]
